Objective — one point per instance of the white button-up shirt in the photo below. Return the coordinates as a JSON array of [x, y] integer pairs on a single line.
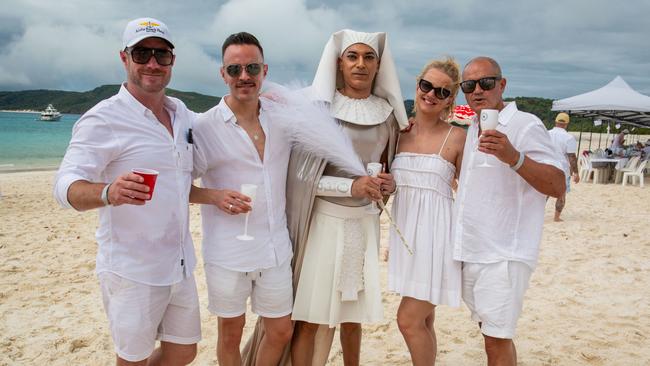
[[150, 244], [225, 158], [564, 143], [497, 214]]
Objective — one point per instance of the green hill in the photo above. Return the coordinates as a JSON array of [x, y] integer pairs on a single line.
[[541, 107], [80, 102]]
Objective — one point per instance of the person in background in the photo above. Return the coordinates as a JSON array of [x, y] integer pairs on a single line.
[[619, 141], [646, 150], [567, 146]]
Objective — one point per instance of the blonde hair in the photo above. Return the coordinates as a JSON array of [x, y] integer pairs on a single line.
[[449, 67]]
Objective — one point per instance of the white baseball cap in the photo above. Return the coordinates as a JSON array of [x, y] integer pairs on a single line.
[[142, 28]]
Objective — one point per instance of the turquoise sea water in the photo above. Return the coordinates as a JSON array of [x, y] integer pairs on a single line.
[[27, 143]]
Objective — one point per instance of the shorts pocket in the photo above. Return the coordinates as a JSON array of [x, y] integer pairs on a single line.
[[114, 284]]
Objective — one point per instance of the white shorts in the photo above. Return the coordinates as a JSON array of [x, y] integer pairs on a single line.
[[494, 293], [139, 314], [271, 291]]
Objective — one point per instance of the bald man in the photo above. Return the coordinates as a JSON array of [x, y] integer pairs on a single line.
[[499, 211]]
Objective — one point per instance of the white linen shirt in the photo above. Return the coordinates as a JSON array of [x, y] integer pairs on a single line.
[[150, 244], [497, 214], [565, 144], [225, 158]]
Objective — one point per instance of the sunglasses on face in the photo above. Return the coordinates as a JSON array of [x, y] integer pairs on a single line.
[[142, 55], [487, 83], [440, 92], [234, 70]]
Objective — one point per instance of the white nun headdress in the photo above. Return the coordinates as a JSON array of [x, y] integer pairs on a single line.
[[386, 85]]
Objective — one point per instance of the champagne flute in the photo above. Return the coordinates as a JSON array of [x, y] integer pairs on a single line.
[[373, 170], [250, 191], [489, 121]]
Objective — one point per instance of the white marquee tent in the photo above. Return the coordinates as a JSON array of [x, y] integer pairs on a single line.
[[616, 101]]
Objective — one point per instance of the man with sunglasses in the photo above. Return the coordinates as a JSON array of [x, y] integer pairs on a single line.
[[145, 258], [499, 210], [236, 143]]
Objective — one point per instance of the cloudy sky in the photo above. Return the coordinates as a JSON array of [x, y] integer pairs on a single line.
[[548, 49]]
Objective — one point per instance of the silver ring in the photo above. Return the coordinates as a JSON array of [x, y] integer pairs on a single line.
[[230, 207]]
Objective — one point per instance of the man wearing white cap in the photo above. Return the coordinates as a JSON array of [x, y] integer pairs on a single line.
[[336, 239], [567, 146], [145, 258]]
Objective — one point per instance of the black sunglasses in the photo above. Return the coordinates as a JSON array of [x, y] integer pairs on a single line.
[[253, 69], [142, 55], [487, 83], [440, 92]]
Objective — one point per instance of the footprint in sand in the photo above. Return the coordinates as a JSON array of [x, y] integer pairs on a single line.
[[77, 344]]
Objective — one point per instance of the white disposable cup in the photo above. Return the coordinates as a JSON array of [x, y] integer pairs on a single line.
[[489, 119], [373, 169]]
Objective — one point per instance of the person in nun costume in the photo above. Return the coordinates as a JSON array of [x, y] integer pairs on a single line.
[[335, 238]]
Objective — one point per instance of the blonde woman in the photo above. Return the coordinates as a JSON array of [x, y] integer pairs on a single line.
[[428, 160]]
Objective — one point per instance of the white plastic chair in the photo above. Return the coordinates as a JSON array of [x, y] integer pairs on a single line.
[[637, 173], [582, 166], [588, 170], [629, 167]]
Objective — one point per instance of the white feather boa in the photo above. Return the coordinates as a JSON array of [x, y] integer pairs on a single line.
[[308, 124]]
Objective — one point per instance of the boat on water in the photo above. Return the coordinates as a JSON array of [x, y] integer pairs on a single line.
[[50, 114]]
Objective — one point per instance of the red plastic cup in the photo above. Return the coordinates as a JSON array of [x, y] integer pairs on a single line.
[[149, 176]]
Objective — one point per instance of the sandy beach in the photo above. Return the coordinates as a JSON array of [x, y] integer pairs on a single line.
[[588, 303]]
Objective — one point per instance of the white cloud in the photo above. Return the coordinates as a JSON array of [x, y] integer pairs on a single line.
[[546, 49]]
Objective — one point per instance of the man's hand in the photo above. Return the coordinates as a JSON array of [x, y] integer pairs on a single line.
[[387, 185], [128, 189], [366, 187], [230, 202], [496, 143]]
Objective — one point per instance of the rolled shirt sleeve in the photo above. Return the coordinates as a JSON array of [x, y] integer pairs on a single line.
[[536, 144], [92, 146]]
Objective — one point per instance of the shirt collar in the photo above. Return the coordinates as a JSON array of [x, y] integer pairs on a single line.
[[229, 116], [506, 114], [139, 107]]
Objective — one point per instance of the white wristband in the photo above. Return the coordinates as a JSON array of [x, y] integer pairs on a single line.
[[520, 162], [105, 194]]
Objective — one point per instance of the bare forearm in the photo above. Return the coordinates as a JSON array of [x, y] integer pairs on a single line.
[[573, 162], [200, 195], [546, 179], [84, 195]]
